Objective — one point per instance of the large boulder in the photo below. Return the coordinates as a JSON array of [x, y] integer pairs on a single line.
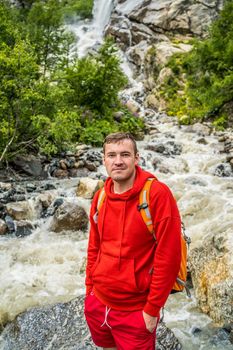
[[211, 266], [62, 326], [87, 187], [29, 165], [181, 16], [25, 210], [69, 217]]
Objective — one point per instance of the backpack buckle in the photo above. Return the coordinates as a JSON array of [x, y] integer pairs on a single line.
[[142, 206]]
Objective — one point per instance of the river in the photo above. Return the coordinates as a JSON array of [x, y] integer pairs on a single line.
[[46, 267]]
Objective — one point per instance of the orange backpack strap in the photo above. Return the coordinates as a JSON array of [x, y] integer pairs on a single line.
[[100, 202], [101, 198], [143, 207]]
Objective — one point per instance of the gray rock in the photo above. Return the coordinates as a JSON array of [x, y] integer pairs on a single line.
[[23, 228], [223, 170], [30, 165], [3, 227], [169, 148], [10, 223], [69, 216], [63, 327]]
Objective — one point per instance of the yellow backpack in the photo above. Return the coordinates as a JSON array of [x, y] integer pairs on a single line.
[[143, 207]]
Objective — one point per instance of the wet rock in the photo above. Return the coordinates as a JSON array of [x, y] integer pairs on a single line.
[[223, 170], [23, 228], [46, 199], [73, 172], [30, 165], [120, 28], [195, 181], [49, 211], [81, 148], [93, 156], [84, 172], [79, 164], [24, 210], [168, 148], [63, 164], [91, 166], [4, 186], [30, 187], [69, 216], [60, 173], [132, 106], [87, 187], [58, 202], [18, 211], [49, 186], [10, 223], [3, 227], [200, 129], [202, 141], [62, 326]]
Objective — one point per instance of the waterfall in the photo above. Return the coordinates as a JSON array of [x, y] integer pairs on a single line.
[[90, 34]]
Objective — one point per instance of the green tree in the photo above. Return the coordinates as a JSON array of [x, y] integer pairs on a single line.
[[95, 81], [18, 96], [47, 34]]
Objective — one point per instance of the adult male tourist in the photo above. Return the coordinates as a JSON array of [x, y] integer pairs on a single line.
[[130, 272]]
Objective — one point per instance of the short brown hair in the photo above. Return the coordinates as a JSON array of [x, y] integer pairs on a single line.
[[119, 136]]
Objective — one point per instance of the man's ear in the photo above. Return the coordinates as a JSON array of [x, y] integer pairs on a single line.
[[137, 158], [103, 159]]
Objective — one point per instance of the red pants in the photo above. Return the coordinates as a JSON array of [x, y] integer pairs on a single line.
[[125, 330]]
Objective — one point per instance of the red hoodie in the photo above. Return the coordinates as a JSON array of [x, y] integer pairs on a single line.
[[126, 267]]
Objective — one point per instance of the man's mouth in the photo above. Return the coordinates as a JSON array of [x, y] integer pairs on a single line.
[[117, 169]]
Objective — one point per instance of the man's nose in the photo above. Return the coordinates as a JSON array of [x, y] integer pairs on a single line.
[[118, 159]]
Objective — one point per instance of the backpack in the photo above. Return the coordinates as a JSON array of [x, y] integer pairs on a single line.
[[143, 207]]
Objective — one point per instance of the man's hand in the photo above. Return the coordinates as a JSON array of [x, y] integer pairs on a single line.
[[150, 321]]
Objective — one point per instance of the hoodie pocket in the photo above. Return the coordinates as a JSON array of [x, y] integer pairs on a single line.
[[115, 274]]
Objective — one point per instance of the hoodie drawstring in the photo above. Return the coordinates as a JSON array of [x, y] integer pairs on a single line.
[[122, 232], [107, 310]]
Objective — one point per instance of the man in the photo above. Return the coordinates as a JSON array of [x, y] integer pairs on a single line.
[[129, 272]]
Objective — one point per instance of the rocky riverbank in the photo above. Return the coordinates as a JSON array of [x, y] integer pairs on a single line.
[[62, 326]]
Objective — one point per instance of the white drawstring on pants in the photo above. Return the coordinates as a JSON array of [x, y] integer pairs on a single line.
[[105, 319]]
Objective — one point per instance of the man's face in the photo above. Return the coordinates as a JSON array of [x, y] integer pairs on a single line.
[[120, 160]]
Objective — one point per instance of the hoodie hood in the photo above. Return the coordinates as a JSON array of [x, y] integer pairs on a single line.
[[140, 179]]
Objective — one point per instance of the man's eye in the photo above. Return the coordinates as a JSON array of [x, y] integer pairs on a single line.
[[125, 155]]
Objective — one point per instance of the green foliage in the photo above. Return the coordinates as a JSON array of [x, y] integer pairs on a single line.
[[96, 80], [8, 32], [58, 133], [80, 8], [96, 130], [18, 95], [132, 124], [202, 80]]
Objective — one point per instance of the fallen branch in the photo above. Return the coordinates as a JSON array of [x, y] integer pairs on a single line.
[[7, 146]]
